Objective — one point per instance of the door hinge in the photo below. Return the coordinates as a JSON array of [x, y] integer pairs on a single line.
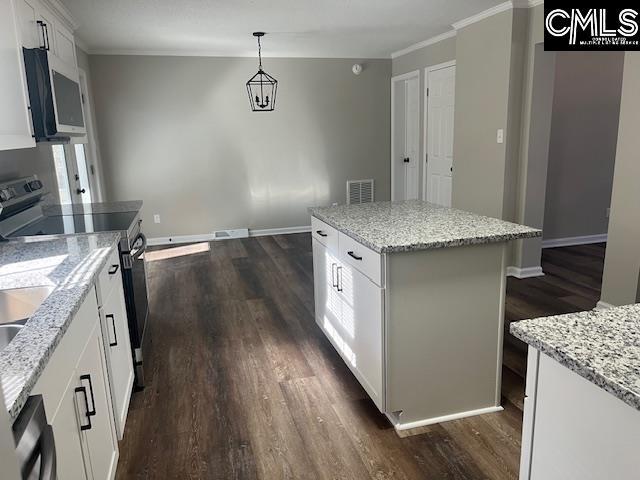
[[427, 91]]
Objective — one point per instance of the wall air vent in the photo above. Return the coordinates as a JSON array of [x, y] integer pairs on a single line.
[[360, 191], [226, 234]]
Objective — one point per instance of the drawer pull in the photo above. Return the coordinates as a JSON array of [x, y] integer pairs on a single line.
[[113, 269], [353, 255], [86, 405], [92, 412], [339, 278], [321, 233], [115, 334]]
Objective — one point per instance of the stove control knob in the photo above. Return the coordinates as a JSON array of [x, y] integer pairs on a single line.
[[35, 185], [5, 195]]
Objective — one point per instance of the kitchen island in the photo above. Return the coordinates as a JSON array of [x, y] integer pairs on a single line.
[[411, 295], [582, 404]]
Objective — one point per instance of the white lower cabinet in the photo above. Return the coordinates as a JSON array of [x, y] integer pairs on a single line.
[[350, 309], [573, 429], [117, 344], [77, 401]]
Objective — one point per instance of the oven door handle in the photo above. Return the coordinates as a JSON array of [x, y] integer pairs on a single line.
[[140, 250]]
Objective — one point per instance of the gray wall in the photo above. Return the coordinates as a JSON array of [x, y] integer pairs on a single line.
[[177, 133], [434, 54], [622, 262], [582, 148], [483, 69], [30, 161]]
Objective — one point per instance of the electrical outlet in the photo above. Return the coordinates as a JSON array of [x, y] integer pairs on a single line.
[[156, 218], [500, 136], [334, 204]]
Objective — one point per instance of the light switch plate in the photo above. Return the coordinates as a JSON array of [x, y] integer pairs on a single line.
[[156, 218], [500, 136]]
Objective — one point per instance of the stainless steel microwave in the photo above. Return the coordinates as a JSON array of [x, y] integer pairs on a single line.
[[54, 96]]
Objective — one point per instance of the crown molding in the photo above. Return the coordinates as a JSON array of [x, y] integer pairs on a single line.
[[424, 43], [214, 54], [62, 12], [503, 7]]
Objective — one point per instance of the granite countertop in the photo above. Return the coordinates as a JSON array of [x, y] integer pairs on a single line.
[[70, 265], [602, 346], [84, 208], [388, 227]]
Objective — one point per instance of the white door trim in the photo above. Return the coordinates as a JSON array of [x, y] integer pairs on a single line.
[[397, 78], [425, 117]]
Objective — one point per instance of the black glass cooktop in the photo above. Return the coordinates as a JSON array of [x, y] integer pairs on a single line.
[[66, 224]]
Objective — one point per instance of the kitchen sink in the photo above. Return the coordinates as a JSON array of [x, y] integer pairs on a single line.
[[7, 332], [18, 304]]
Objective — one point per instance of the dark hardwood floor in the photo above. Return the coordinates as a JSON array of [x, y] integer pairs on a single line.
[[241, 384]]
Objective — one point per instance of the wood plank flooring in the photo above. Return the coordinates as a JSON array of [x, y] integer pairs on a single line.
[[241, 384]]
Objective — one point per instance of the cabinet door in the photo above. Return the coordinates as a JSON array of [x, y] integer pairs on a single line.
[[30, 33], [66, 424], [115, 334], [65, 44], [101, 443], [361, 322], [15, 120], [327, 298]]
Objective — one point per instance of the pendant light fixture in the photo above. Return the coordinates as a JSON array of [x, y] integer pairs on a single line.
[[262, 86]]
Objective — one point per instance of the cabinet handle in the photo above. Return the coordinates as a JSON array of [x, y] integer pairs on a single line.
[[113, 269], [334, 277], [45, 35], [92, 412], [86, 404], [353, 255], [115, 333], [321, 233], [339, 285]]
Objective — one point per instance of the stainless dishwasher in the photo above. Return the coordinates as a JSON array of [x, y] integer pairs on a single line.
[[35, 445]]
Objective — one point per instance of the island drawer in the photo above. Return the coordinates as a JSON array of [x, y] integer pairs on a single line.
[[362, 258], [325, 234], [109, 277]]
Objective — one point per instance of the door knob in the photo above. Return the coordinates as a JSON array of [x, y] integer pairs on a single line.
[[79, 191], [406, 160]]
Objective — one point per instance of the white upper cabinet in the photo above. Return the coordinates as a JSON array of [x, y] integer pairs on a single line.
[[29, 24], [15, 119], [30, 34]]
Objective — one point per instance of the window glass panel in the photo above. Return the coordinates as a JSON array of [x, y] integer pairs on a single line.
[[83, 173], [62, 177]]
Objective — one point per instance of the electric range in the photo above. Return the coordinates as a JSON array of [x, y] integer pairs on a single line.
[[22, 218]]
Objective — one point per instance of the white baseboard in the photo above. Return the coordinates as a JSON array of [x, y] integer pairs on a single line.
[[279, 231], [444, 418], [603, 305], [210, 237], [572, 241], [177, 239], [528, 272]]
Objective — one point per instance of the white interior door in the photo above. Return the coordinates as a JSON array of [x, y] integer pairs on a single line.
[[405, 136], [441, 85]]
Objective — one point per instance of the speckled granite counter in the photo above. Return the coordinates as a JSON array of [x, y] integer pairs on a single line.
[[83, 208], [71, 265], [602, 346], [415, 225]]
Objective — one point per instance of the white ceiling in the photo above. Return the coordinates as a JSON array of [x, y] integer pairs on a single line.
[[296, 28]]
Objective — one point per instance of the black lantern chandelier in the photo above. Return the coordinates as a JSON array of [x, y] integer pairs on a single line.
[[262, 86]]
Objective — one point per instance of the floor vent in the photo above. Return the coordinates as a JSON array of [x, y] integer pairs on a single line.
[[226, 234], [360, 191]]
